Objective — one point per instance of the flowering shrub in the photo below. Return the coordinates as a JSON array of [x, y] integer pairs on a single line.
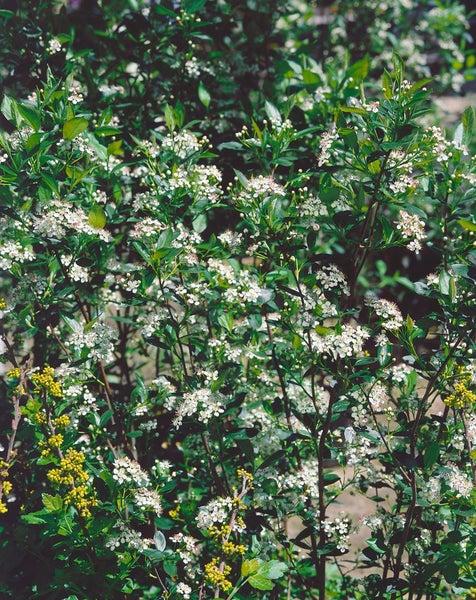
[[200, 368]]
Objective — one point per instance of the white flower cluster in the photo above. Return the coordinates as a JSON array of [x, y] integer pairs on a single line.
[[12, 253], [129, 473], [54, 47], [399, 373], [239, 286], [458, 481], [378, 397], [148, 227], [127, 537], [411, 227], [60, 216], [201, 181], [229, 238], [183, 144], [183, 591], [304, 481], [338, 529], [258, 188], [202, 403], [312, 206], [75, 96], [215, 512], [148, 500], [325, 145], [150, 323], [331, 277], [349, 342], [403, 183], [188, 547], [97, 338], [388, 311], [301, 398]]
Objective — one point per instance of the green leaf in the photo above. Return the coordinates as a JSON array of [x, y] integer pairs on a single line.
[[373, 543], [160, 541], [273, 569], [309, 77], [250, 566], [9, 108], [260, 582], [97, 217], [203, 95], [169, 117], [387, 85], [30, 115], [199, 223], [272, 112], [73, 127], [468, 124], [450, 572], [359, 70], [32, 519], [432, 454], [114, 148], [52, 503], [465, 224], [192, 6]]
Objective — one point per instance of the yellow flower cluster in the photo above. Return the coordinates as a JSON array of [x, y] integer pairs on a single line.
[[3, 304], [245, 475], [217, 576], [45, 381], [219, 532], [231, 548], [40, 418], [5, 485], [462, 396], [62, 422], [174, 513], [472, 592], [71, 472], [13, 373], [79, 497], [71, 469]]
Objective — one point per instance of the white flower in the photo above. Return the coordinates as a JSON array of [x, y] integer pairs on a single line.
[[148, 500], [216, 511], [411, 227], [348, 342], [128, 472]]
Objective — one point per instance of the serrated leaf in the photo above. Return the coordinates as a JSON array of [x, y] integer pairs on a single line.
[[160, 541], [52, 503], [273, 569], [259, 582], [73, 127], [32, 519], [97, 217], [204, 95], [249, 567]]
